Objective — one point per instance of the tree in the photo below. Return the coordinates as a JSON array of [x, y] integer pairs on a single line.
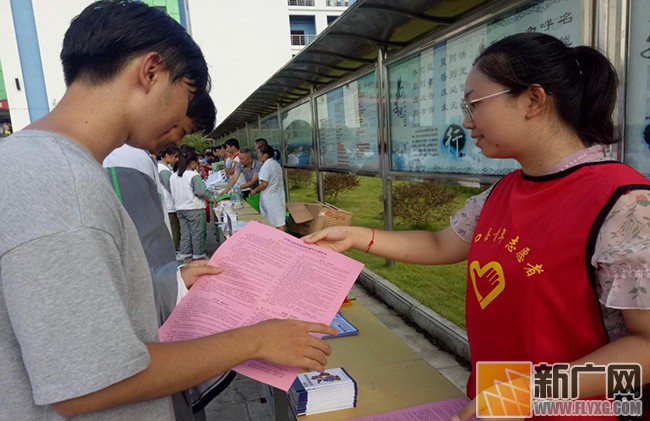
[[198, 141], [419, 203], [335, 183]]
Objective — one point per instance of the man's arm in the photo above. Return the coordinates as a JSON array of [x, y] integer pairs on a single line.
[[253, 181], [177, 366], [231, 182], [79, 341]]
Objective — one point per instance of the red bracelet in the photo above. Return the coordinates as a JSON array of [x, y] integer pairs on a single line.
[[372, 241]]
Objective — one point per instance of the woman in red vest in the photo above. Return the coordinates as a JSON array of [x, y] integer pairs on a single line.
[[558, 252]]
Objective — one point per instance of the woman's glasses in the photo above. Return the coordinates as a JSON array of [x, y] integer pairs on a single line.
[[464, 105]]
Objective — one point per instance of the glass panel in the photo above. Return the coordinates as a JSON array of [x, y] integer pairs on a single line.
[[425, 91], [347, 125], [302, 185], [637, 112], [296, 123], [271, 131]]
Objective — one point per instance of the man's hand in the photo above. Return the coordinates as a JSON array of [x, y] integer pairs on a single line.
[[192, 271], [290, 342]]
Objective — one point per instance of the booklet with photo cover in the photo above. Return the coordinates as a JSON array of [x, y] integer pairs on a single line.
[[344, 327]]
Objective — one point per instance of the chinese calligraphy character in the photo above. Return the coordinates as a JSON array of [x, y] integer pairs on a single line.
[[646, 53], [533, 269], [512, 244], [487, 236], [566, 39], [502, 236], [565, 18], [551, 381], [624, 380], [588, 368], [546, 25], [521, 254]]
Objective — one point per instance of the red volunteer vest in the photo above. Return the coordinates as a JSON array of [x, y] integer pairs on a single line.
[[531, 288]]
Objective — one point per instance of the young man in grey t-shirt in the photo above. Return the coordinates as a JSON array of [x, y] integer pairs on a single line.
[[78, 330]]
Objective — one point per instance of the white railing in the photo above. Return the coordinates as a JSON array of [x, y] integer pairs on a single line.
[[301, 2], [302, 39]]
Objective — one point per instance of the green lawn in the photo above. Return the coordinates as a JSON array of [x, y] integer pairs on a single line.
[[441, 288]]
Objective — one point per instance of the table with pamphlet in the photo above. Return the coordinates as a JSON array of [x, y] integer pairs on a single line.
[[225, 216], [389, 374]]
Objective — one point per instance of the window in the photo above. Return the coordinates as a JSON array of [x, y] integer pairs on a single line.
[[301, 2]]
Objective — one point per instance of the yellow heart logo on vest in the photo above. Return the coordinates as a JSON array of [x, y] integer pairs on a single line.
[[491, 280]]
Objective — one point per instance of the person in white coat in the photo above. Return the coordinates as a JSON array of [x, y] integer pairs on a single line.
[[273, 203]]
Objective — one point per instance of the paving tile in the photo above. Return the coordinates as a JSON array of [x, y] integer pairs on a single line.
[[259, 411], [241, 390], [232, 412], [458, 375]]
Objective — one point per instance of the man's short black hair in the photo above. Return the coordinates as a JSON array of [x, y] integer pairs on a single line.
[[246, 152], [202, 112], [233, 142], [261, 141], [109, 33]]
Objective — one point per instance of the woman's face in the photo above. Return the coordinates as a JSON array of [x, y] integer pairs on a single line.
[[193, 165], [496, 127]]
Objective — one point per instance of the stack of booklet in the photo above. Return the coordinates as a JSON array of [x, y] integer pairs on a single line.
[[314, 392]]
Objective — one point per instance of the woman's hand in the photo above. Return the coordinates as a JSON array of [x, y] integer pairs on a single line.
[[339, 239]]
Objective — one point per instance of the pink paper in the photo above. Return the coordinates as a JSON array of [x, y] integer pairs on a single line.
[[267, 274], [434, 411]]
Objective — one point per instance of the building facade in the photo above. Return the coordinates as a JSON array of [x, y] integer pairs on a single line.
[[244, 44]]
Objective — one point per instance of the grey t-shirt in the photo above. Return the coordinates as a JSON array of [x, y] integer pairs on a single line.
[[251, 172], [76, 300]]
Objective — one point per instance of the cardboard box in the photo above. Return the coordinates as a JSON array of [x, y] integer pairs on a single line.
[[311, 217]]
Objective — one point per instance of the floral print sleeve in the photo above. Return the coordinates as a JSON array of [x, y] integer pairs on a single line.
[[622, 254], [464, 221]]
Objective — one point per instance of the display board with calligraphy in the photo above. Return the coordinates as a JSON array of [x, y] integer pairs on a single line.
[[347, 126], [637, 114], [297, 127], [425, 89]]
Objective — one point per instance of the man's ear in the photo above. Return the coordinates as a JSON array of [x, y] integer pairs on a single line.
[[150, 69], [538, 100]]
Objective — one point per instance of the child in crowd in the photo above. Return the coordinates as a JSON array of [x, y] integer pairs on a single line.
[[189, 193], [166, 161]]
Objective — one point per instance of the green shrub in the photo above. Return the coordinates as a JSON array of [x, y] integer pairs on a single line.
[[299, 179], [419, 204], [198, 141], [335, 183]]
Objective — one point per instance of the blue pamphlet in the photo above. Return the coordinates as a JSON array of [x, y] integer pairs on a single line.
[[344, 327]]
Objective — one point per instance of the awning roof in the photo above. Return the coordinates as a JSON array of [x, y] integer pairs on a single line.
[[347, 45]]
